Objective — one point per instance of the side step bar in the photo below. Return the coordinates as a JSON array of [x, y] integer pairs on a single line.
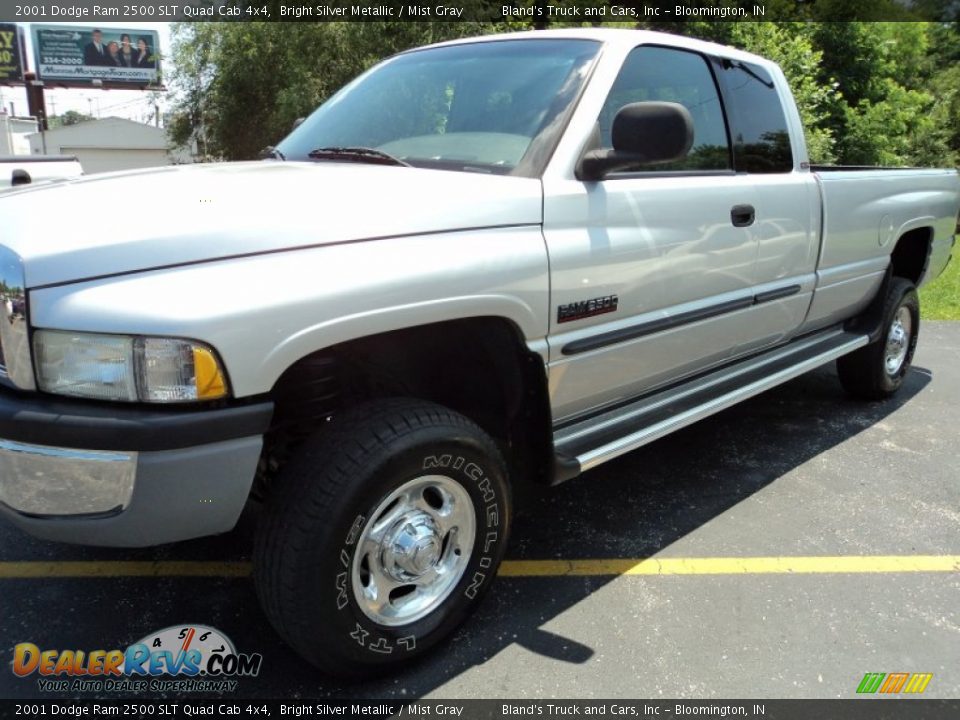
[[595, 440]]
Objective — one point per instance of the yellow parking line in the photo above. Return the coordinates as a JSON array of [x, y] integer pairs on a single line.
[[735, 566], [523, 568]]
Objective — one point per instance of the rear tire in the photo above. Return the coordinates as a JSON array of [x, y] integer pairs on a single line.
[[382, 535], [876, 371]]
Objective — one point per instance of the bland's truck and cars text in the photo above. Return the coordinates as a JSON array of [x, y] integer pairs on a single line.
[[485, 263]]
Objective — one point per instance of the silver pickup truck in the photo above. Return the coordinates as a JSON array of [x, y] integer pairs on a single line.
[[496, 261]]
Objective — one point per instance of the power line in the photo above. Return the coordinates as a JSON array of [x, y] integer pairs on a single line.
[[122, 104]]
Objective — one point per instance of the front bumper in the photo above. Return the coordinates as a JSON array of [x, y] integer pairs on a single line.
[[101, 474], [40, 480]]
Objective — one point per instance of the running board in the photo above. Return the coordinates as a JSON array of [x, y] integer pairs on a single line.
[[590, 442]]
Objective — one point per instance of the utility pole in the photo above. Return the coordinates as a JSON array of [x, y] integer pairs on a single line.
[[35, 101]]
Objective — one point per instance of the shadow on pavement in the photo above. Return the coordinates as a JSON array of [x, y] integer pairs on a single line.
[[630, 508]]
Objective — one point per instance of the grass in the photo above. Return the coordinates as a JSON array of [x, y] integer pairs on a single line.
[[940, 300]]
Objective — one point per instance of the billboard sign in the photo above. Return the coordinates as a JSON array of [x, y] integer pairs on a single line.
[[79, 55], [11, 59]]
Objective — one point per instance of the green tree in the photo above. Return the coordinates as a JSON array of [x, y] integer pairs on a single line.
[[897, 130], [944, 83], [70, 117], [882, 72]]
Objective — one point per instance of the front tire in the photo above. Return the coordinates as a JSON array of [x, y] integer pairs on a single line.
[[382, 536], [877, 371]]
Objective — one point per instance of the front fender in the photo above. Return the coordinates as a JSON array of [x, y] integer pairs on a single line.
[[263, 313]]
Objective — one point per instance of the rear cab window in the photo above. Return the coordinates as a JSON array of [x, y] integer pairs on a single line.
[[758, 125]]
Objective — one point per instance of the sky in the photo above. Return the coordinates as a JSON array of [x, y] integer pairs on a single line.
[[130, 104]]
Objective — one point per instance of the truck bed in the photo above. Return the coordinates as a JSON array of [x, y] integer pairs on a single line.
[[865, 210]]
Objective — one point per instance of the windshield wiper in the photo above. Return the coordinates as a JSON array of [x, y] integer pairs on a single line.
[[356, 154]]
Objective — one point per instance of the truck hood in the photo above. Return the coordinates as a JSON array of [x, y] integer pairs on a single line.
[[133, 221]]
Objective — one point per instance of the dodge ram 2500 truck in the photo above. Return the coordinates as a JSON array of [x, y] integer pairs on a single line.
[[494, 261]]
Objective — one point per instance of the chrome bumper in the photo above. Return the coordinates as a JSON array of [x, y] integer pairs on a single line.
[[48, 481]]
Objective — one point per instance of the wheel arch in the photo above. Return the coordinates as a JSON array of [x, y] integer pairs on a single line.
[[910, 256], [481, 367]]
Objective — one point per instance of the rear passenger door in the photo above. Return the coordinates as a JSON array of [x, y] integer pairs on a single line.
[[787, 200]]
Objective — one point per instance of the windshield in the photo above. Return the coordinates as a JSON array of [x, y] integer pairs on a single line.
[[481, 107]]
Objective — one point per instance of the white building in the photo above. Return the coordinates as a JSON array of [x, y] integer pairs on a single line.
[[14, 134], [110, 144]]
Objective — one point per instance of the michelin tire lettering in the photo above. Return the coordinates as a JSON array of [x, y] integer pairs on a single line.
[[490, 515]]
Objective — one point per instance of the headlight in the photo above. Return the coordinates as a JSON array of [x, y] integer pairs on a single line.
[[129, 369]]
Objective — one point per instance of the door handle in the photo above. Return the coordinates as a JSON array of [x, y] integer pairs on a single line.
[[742, 215]]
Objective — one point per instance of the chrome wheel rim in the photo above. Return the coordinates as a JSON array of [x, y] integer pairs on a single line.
[[898, 341], [413, 550]]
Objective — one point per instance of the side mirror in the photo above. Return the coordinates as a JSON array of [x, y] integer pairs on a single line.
[[643, 133], [297, 123], [20, 177]]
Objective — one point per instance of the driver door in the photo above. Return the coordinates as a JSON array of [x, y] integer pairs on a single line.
[[651, 268]]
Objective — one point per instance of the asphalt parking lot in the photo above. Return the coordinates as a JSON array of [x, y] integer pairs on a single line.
[[725, 511]]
